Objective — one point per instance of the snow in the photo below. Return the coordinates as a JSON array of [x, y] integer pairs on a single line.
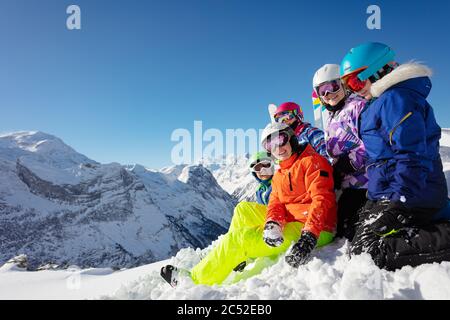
[[445, 137], [69, 284], [329, 275]]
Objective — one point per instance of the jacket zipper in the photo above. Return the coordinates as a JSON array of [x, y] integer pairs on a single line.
[[377, 164], [397, 125], [290, 183]]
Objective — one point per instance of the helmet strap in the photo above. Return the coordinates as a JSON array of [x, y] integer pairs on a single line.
[[388, 68]]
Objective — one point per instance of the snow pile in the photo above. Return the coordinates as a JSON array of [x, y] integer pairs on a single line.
[[329, 275], [19, 263]]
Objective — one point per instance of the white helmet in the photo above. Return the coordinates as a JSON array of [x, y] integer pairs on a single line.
[[326, 73], [273, 128]]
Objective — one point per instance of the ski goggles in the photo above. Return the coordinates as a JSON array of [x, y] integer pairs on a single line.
[[261, 165], [276, 141], [333, 86], [284, 117], [354, 83]]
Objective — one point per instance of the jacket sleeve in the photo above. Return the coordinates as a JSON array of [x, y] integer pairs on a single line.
[[319, 184], [316, 138], [404, 128], [357, 155], [276, 211]]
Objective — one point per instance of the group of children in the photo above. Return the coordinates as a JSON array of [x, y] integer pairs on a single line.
[[380, 149]]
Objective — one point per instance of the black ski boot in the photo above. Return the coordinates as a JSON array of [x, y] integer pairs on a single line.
[[170, 274]]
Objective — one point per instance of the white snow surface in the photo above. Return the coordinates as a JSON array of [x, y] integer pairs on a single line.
[[329, 275]]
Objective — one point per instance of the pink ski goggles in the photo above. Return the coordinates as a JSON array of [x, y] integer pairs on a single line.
[[329, 87], [276, 140]]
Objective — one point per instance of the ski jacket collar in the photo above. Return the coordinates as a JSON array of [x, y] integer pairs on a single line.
[[402, 73], [264, 182]]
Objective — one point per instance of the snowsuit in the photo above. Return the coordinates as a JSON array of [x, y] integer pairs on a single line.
[[342, 140], [306, 133], [263, 191], [401, 137], [302, 197]]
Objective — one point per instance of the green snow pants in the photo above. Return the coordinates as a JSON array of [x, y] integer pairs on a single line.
[[244, 240]]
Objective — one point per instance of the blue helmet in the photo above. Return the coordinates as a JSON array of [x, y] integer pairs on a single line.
[[370, 57]]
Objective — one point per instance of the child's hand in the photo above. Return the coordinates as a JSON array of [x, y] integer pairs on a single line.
[[301, 251], [273, 235]]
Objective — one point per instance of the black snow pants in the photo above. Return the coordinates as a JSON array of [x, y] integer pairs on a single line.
[[349, 204], [423, 241]]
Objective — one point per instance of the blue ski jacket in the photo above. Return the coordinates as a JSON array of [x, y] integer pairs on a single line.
[[401, 135], [263, 191]]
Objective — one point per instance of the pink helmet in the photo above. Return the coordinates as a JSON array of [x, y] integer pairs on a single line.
[[291, 106]]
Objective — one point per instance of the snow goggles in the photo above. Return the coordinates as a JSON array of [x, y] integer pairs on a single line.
[[259, 166], [284, 117], [277, 140], [354, 83], [333, 86]]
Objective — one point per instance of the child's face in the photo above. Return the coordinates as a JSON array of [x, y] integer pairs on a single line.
[[333, 99], [263, 177], [282, 153], [365, 92], [286, 117], [290, 122]]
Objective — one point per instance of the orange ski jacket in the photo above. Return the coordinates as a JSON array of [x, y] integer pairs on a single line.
[[303, 191]]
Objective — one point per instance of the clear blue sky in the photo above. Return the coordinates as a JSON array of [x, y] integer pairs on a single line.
[[137, 70]]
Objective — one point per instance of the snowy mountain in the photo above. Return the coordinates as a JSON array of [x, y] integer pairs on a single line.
[[445, 154], [231, 173], [59, 206], [233, 176]]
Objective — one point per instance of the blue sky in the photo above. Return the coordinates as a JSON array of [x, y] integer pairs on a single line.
[[137, 70]]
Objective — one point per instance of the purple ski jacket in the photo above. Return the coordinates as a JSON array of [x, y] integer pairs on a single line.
[[341, 135]]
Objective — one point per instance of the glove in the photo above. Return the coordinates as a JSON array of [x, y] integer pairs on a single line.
[[301, 251], [392, 218], [343, 165], [273, 235]]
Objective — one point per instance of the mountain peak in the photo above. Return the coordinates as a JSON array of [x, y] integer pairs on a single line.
[[32, 141], [37, 147]]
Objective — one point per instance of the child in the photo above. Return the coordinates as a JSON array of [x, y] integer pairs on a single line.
[[343, 145], [407, 187], [301, 210], [291, 114], [262, 167]]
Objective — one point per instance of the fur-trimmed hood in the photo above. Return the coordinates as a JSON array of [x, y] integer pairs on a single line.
[[402, 73]]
